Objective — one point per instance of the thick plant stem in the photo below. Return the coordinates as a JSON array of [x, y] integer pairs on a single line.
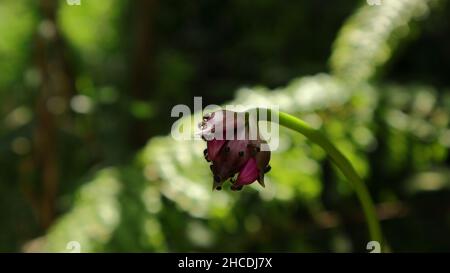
[[340, 161]]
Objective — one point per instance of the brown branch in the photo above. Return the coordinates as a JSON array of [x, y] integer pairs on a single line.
[[57, 86], [142, 63]]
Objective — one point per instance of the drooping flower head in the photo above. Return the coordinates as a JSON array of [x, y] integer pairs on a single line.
[[233, 155]]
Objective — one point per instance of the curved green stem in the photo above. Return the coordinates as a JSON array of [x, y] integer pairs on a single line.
[[340, 161]]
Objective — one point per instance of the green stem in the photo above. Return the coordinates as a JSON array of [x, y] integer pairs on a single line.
[[341, 162]]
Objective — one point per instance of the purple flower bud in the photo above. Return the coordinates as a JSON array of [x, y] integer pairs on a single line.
[[230, 157]]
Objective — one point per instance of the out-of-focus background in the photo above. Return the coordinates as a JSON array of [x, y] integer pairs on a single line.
[[85, 98]]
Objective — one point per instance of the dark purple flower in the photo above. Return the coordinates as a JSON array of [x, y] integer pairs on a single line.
[[238, 159]]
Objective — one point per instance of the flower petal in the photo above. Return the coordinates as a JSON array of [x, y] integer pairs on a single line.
[[262, 161], [248, 174], [214, 147], [230, 159]]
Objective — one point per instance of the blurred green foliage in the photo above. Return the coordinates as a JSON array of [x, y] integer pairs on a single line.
[[114, 195]]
